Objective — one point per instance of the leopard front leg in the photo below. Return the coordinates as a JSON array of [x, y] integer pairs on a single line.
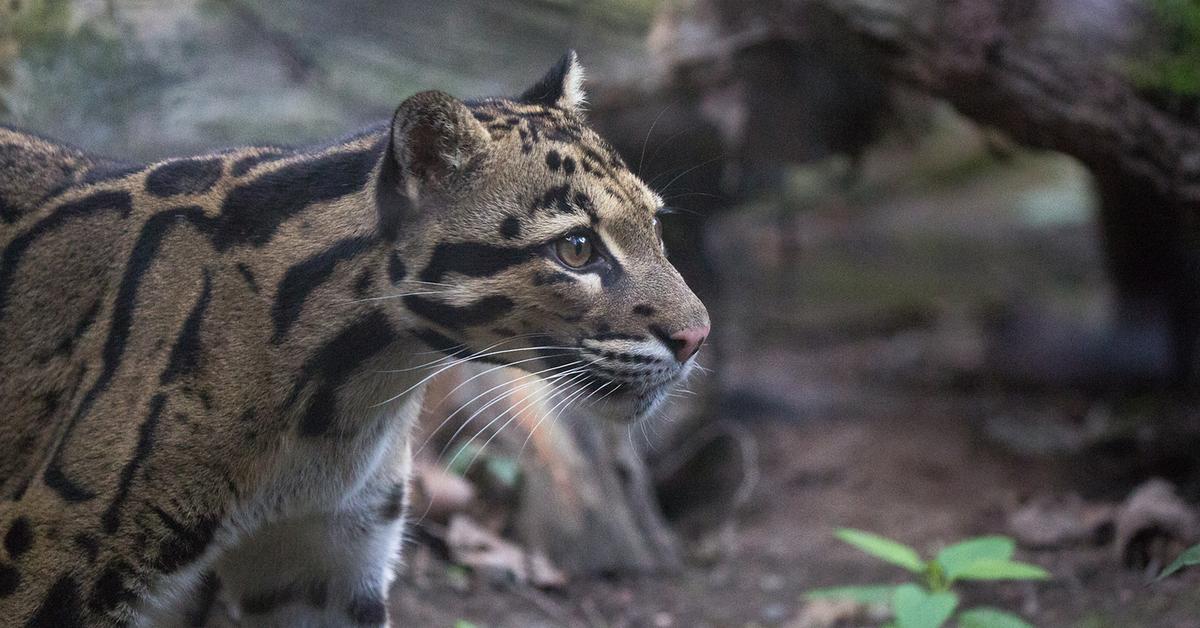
[[325, 570]]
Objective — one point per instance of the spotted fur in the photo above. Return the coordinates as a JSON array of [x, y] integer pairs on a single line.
[[209, 365]]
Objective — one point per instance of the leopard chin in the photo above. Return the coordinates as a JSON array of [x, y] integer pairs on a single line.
[[628, 407]]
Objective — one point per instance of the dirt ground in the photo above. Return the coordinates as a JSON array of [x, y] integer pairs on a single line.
[[866, 382]]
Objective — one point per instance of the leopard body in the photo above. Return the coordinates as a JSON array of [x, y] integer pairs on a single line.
[[209, 366]]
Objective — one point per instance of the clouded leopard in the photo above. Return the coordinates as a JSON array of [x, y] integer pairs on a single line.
[[208, 365]]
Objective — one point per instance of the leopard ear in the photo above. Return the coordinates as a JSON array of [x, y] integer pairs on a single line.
[[434, 136], [561, 87]]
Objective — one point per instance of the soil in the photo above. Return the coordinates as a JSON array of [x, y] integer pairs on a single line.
[[867, 383]]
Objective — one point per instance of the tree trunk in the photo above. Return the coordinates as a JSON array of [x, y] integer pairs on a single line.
[[1053, 74]]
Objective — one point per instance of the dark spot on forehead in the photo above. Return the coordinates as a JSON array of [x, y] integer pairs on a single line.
[[584, 202], [557, 198], [553, 160], [568, 165], [510, 228]]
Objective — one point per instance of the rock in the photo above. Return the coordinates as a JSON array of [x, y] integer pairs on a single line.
[[1055, 521], [827, 613], [499, 560], [439, 494], [1153, 525]]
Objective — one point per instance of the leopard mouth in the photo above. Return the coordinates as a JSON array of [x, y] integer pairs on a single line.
[[627, 402]]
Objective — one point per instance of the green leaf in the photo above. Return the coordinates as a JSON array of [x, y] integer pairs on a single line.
[[870, 594], [915, 607], [883, 549], [957, 558], [990, 569], [1189, 557], [990, 618]]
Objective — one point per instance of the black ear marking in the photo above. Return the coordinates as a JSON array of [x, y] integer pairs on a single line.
[[561, 87]]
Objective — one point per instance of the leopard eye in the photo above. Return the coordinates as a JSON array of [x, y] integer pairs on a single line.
[[574, 250]]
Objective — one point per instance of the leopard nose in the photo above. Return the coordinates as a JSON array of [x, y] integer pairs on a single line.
[[687, 342]]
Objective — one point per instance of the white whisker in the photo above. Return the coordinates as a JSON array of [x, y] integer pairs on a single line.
[[520, 402], [508, 382], [481, 355], [605, 396], [426, 283], [543, 418], [498, 431], [393, 296], [553, 378], [496, 368]]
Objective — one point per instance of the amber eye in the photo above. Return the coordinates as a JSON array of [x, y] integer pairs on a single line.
[[574, 250]]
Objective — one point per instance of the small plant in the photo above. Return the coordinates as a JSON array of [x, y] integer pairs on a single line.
[[1172, 65], [1189, 558], [930, 602]]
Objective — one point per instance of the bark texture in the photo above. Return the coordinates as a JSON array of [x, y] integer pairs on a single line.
[[1052, 74]]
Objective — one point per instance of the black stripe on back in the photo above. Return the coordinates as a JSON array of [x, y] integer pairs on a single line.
[[111, 517], [185, 353], [184, 176], [253, 211], [17, 247], [145, 249]]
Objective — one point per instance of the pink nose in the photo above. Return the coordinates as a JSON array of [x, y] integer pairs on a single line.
[[687, 342]]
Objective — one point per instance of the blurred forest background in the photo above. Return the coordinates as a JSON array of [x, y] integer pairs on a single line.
[[951, 249]]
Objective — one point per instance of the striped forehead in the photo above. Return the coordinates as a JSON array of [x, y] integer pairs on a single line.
[[580, 179], [602, 192]]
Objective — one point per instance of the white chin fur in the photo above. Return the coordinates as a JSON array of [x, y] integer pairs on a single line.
[[631, 408]]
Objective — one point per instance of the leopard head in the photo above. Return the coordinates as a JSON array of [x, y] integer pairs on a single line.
[[527, 241]]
